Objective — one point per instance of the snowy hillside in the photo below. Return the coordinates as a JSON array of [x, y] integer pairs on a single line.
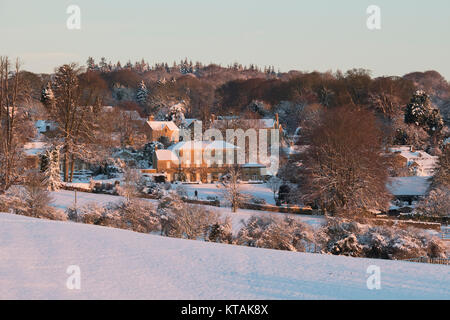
[[35, 254]]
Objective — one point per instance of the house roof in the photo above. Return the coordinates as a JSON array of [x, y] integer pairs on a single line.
[[253, 165], [160, 125], [408, 186], [200, 145], [167, 155], [419, 156], [188, 122]]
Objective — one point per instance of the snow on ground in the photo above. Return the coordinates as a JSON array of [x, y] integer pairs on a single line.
[[260, 190], [119, 264], [63, 199]]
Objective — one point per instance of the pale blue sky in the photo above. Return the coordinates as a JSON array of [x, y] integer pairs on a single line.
[[289, 34]]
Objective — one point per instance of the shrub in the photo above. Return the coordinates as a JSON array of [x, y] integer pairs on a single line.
[[182, 220], [137, 215], [221, 232], [274, 232], [350, 238], [32, 200]]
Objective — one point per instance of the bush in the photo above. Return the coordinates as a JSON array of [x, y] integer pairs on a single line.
[[182, 220], [274, 232], [220, 232], [32, 200], [136, 215], [350, 238], [90, 213]]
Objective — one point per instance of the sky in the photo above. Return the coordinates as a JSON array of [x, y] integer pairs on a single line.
[[302, 35]]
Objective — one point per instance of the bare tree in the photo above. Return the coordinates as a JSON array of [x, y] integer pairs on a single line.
[[14, 130], [36, 196], [76, 103], [130, 186], [344, 170], [232, 189]]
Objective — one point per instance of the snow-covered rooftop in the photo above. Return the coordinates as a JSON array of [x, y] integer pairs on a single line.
[[167, 155], [422, 159], [189, 121], [160, 125], [252, 165], [201, 145], [409, 186]]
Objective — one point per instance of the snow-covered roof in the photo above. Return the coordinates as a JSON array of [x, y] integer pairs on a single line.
[[166, 155], [188, 122], [252, 165], [35, 148], [160, 125], [219, 144], [421, 158], [200, 145], [408, 186]]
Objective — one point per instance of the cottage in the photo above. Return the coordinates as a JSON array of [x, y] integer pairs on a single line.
[[205, 161], [418, 162], [157, 129]]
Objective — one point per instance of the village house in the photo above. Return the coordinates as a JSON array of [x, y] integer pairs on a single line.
[[188, 161], [418, 162], [157, 129]]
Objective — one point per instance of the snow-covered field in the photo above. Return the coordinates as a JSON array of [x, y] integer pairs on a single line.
[[119, 264], [63, 199], [210, 189]]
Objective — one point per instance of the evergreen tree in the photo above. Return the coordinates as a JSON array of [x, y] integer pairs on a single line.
[[103, 65], [418, 109], [91, 66], [51, 169], [421, 113], [142, 93], [47, 96]]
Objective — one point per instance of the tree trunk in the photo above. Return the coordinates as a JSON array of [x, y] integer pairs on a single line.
[[72, 164], [66, 165]]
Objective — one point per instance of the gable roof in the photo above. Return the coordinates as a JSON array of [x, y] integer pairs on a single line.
[[160, 125], [200, 145], [167, 155]]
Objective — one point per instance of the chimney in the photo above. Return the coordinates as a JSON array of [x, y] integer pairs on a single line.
[[151, 118], [277, 120]]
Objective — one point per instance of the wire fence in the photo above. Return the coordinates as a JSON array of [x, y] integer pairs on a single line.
[[430, 260]]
